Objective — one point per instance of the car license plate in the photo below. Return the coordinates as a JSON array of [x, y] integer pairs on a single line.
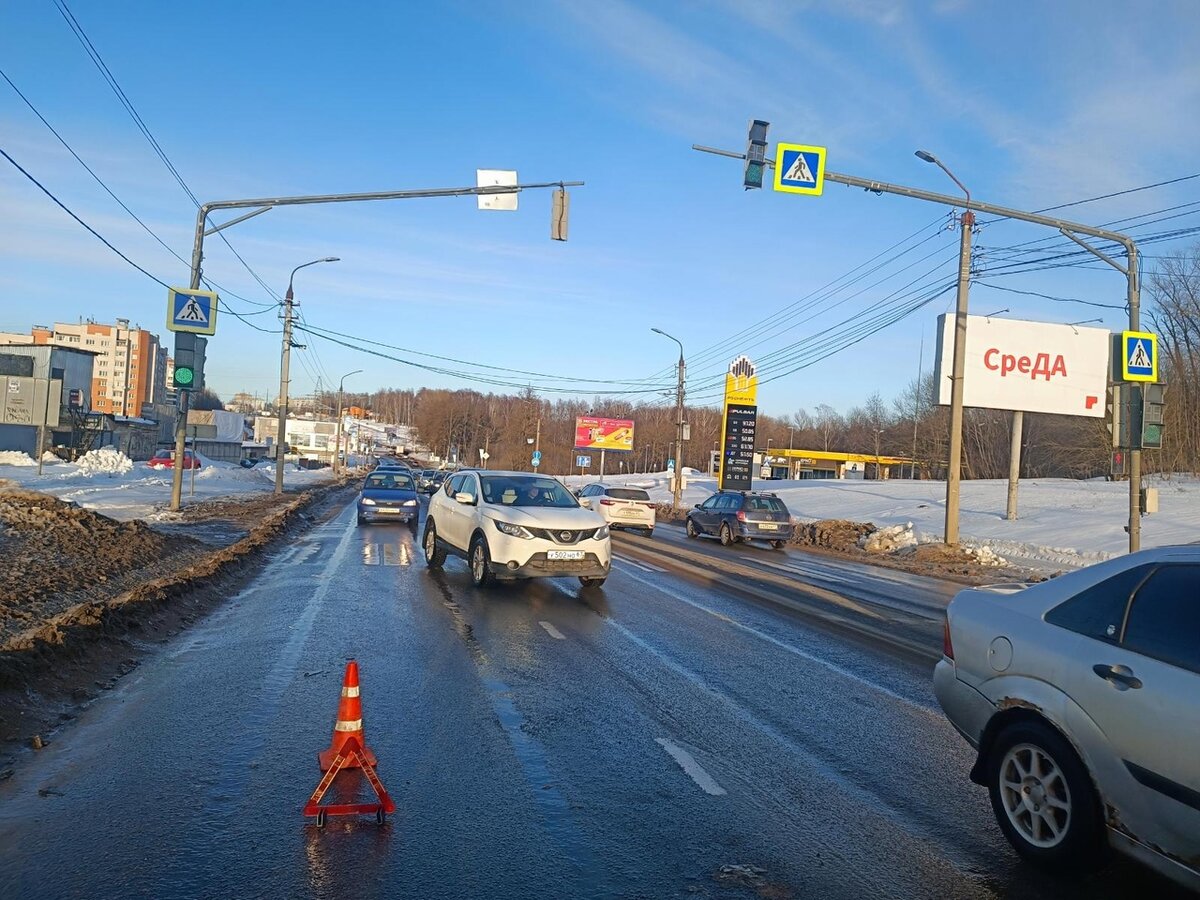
[[633, 513], [384, 509], [564, 554], [768, 526]]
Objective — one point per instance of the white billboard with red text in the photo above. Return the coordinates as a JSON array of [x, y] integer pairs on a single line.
[[1030, 366]]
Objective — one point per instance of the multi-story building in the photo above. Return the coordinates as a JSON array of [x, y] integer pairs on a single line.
[[130, 373]]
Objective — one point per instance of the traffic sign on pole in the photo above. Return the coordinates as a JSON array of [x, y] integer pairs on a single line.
[[1139, 356], [192, 311], [799, 169]]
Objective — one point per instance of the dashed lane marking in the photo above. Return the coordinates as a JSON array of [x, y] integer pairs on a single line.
[[552, 631], [694, 770]]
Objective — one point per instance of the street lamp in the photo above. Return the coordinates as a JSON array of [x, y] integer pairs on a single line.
[[337, 450], [678, 419], [954, 465], [284, 363]]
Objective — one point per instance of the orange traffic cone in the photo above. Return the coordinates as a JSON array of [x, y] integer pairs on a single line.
[[348, 725]]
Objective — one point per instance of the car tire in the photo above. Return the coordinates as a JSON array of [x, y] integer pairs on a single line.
[[726, 535], [1044, 800], [588, 582], [480, 562], [778, 545], [362, 521], [435, 556], [649, 532], [691, 529]]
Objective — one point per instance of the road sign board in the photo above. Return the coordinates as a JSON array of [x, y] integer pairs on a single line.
[[799, 169], [535, 462], [1139, 356], [537, 456], [193, 311], [584, 462]]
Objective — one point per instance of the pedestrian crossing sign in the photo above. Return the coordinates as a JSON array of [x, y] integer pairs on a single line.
[[1139, 356], [192, 311], [799, 169]]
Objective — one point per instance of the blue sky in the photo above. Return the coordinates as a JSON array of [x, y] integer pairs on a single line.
[[1031, 104]]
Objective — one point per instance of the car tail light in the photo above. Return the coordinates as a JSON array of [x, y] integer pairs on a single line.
[[947, 644], [741, 516], [606, 502]]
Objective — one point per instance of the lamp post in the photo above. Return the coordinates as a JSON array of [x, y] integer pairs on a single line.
[[678, 492], [284, 362], [954, 465], [337, 449]]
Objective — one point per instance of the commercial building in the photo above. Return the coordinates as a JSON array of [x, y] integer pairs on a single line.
[[72, 366], [129, 377]]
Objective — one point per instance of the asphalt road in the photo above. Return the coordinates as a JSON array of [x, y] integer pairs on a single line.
[[660, 737]]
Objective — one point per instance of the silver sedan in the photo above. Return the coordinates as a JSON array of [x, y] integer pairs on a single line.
[[1082, 696]]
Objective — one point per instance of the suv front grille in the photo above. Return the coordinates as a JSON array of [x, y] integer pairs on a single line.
[[563, 535]]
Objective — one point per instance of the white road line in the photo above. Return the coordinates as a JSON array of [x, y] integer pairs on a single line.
[[552, 631], [694, 770], [391, 555], [653, 568], [637, 565]]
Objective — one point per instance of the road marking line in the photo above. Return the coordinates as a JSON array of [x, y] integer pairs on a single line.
[[552, 631], [694, 770], [638, 565], [653, 568], [391, 555]]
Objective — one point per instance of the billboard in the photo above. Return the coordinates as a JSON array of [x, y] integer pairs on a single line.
[[593, 433], [1031, 366]]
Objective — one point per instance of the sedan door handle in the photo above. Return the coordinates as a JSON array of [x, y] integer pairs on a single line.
[[1118, 675]]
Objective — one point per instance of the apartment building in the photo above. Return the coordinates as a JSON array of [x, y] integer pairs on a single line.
[[129, 377]]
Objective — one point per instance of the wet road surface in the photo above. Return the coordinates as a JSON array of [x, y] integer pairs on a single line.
[[654, 738]]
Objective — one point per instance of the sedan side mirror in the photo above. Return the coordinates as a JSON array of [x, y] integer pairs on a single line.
[[697, 506], [464, 498], [585, 501]]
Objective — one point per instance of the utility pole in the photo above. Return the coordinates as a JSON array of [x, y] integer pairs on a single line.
[[285, 359], [682, 367], [954, 467], [337, 449], [1014, 463]]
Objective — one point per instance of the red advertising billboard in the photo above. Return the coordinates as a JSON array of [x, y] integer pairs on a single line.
[[595, 433]]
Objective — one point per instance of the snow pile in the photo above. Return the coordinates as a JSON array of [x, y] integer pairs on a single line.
[[15, 458], [985, 556], [49, 457], [105, 461], [889, 539]]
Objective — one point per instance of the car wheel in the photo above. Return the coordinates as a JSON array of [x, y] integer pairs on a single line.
[[726, 534], [1043, 798], [362, 521], [691, 529], [591, 582], [435, 556], [649, 532], [480, 559], [778, 545]]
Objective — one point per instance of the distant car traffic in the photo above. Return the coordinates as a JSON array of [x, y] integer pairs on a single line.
[[1082, 696], [620, 507], [424, 479], [165, 459], [735, 516], [389, 495], [515, 525], [434, 481]]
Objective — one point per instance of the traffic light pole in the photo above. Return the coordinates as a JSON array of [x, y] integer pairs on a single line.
[[1068, 229], [281, 406], [262, 205]]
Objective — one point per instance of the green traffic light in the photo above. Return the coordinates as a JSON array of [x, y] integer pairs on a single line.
[[184, 376]]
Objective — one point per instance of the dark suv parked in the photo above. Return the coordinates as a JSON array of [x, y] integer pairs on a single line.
[[735, 516]]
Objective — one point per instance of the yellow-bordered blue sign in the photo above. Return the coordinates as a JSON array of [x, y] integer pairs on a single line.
[[1139, 356], [799, 169], [192, 311]]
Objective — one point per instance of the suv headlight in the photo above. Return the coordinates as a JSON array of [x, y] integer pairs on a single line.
[[409, 503], [367, 501], [601, 533], [518, 531]]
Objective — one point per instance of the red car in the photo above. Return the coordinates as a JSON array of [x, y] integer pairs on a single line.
[[165, 459]]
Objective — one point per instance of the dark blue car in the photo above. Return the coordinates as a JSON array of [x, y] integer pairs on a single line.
[[389, 495], [736, 516]]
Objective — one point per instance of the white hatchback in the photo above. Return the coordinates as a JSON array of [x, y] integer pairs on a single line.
[[620, 507], [515, 525]]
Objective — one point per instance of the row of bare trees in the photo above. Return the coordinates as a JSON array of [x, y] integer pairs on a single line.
[[910, 425]]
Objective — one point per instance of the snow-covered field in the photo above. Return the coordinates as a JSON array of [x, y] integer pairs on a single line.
[[1061, 523], [110, 483]]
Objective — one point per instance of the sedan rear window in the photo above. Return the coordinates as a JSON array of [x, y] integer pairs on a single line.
[[627, 494], [765, 504]]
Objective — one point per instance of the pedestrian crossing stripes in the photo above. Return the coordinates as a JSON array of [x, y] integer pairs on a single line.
[[397, 554]]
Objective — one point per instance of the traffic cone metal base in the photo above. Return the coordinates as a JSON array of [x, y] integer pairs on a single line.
[[350, 756], [348, 726]]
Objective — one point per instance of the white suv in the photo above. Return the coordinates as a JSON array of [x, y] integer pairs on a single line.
[[515, 525], [620, 507]]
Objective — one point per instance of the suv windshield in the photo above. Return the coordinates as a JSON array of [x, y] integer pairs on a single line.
[[627, 494], [509, 490]]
